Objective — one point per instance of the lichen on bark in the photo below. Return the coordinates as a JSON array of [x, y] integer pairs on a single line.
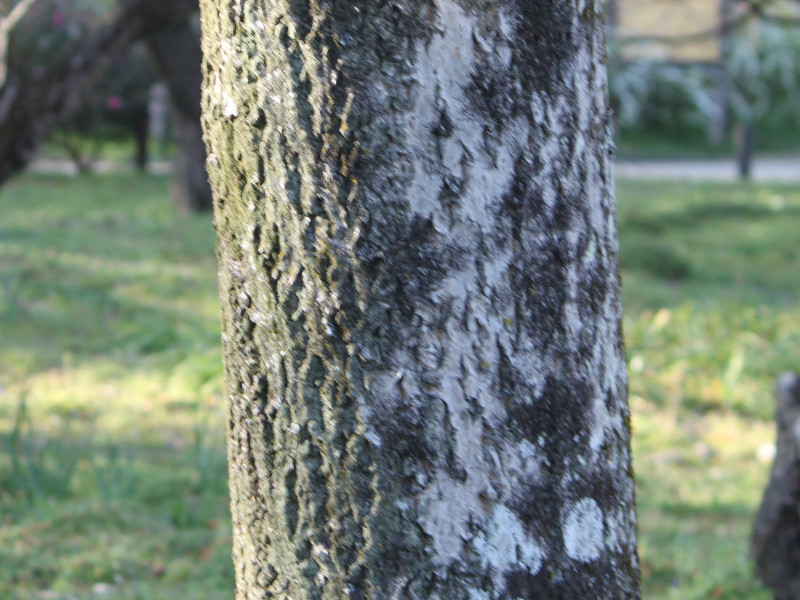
[[421, 316]]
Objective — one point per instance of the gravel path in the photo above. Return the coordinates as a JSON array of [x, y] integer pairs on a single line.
[[771, 170], [765, 170], [50, 166]]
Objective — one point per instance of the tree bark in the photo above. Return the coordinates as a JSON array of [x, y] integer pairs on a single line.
[[421, 303]]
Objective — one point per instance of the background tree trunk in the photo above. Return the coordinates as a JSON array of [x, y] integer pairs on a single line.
[[421, 306], [176, 51], [775, 542]]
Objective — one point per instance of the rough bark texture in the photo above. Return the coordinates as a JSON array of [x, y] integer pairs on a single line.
[[421, 306], [775, 544], [176, 51]]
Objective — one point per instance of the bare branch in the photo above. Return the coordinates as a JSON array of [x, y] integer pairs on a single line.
[[7, 23]]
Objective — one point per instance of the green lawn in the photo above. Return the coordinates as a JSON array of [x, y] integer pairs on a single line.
[[112, 474], [112, 477], [710, 279]]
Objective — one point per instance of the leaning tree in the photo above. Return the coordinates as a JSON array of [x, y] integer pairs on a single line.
[[35, 101], [421, 303]]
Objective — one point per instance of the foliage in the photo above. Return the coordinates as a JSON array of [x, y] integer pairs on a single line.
[[116, 104], [111, 420], [759, 79], [656, 96], [48, 30], [764, 70], [119, 101]]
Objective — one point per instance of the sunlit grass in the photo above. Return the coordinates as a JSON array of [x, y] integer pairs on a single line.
[[112, 477], [710, 283], [112, 474]]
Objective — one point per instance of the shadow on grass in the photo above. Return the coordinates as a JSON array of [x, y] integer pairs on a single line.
[[112, 464], [700, 215]]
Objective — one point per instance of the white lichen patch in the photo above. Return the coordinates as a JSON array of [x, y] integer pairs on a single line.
[[506, 545], [583, 531], [443, 75], [601, 423], [478, 595], [229, 108]]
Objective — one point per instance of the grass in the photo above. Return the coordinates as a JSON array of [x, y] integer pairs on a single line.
[[112, 477], [112, 473], [710, 287]]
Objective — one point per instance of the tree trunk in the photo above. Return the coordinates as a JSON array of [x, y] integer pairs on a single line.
[[421, 302], [141, 130], [176, 51], [775, 541], [190, 188], [745, 143]]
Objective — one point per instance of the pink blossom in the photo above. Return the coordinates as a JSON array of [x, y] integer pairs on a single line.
[[58, 18], [115, 103]]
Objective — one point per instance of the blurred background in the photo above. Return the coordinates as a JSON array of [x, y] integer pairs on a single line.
[[112, 451]]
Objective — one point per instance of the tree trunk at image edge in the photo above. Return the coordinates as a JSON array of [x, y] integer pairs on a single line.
[[421, 305]]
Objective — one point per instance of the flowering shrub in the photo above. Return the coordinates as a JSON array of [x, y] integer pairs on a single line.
[[117, 102]]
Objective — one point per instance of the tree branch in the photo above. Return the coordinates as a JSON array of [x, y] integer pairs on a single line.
[[7, 23]]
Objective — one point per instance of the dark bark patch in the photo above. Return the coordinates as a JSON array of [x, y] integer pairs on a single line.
[[388, 28], [414, 261], [557, 419], [290, 504], [574, 580], [402, 429], [494, 96], [536, 507], [301, 14], [608, 490], [540, 282], [443, 128], [512, 383], [594, 286], [545, 44]]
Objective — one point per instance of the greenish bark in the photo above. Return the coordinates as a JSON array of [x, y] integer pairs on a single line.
[[421, 313]]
